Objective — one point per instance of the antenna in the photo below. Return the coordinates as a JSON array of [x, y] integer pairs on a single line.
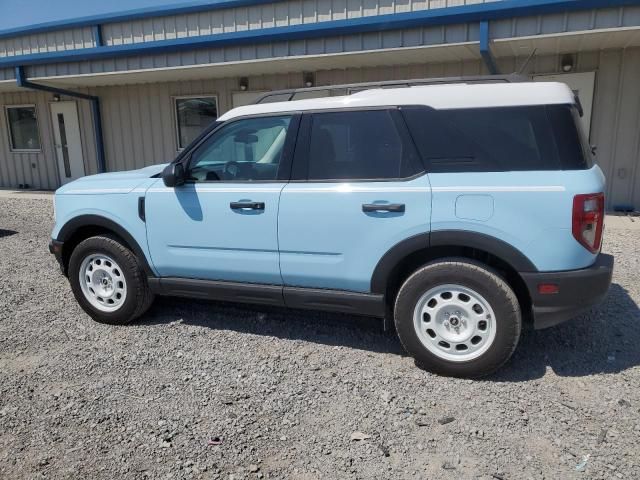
[[526, 62]]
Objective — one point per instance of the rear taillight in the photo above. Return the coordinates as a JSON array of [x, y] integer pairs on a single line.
[[588, 217]]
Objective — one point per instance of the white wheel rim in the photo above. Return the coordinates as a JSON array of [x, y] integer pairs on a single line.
[[454, 323], [102, 282]]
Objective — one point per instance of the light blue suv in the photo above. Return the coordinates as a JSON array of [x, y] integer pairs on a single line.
[[459, 211]]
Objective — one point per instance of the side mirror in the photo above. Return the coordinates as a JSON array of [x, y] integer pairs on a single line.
[[173, 175]]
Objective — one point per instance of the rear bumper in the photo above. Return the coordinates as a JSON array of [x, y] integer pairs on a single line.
[[578, 291]]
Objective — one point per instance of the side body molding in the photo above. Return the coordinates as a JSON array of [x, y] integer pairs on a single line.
[[447, 238], [72, 226]]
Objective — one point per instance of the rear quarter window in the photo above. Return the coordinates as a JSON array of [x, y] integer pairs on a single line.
[[497, 139], [574, 150]]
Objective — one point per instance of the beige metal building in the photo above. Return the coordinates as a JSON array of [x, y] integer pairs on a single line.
[[122, 91]]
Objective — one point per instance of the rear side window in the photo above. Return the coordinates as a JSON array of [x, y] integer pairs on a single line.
[[359, 145], [496, 139]]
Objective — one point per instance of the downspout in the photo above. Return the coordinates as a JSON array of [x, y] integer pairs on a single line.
[[95, 111], [485, 50]]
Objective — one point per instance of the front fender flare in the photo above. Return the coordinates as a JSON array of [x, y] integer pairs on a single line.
[[74, 224]]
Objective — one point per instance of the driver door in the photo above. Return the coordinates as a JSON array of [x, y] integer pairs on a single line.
[[222, 223]]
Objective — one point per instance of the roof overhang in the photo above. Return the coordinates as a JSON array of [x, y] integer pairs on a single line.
[[519, 47], [393, 56]]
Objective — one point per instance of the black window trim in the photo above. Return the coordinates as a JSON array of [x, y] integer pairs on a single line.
[[284, 171], [300, 168]]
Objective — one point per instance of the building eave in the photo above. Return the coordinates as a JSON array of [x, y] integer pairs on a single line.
[[377, 23]]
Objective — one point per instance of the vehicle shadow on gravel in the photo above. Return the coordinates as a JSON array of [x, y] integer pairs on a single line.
[[7, 233], [333, 329], [604, 340]]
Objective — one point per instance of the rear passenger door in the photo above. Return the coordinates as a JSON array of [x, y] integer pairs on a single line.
[[357, 189]]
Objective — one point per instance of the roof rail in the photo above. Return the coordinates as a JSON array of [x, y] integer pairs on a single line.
[[349, 88]]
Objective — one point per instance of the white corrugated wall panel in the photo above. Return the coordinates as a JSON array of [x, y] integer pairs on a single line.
[[61, 40], [277, 14]]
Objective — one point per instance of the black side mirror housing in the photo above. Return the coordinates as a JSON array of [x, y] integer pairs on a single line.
[[173, 175]]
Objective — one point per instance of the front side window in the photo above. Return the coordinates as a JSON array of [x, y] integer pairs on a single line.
[[244, 150], [358, 145], [23, 127], [193, 115]]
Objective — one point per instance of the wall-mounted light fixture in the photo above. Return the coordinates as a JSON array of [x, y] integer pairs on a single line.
[[309, 79], [56, 98], [567, 63], [244, 83]]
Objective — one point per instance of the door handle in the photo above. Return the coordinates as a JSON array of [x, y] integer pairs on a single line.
[[383, 207], [247, 205]]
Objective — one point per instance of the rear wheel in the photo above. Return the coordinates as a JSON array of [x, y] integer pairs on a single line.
[[108, 281], [457, 317]]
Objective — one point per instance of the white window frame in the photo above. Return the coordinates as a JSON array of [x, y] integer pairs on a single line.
[[174, 101], [9, 131]]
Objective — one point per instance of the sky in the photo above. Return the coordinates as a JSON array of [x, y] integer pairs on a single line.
[[19, 13]]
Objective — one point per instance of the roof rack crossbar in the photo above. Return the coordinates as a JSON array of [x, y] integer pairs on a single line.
[[349, 88]]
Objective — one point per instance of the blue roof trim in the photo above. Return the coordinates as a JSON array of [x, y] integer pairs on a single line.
[[149, 12], [440, 16]]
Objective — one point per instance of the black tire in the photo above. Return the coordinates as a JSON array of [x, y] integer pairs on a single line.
[[477, 277], [138, 298]]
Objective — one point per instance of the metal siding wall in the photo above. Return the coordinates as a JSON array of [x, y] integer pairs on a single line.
[[291, 13], [7, 74], [17, 168], [565, 22], [352, 43], [139, 120], [189, 25], [37, 169], [271, 15], [55, 41], [616, 124], [87, 133]]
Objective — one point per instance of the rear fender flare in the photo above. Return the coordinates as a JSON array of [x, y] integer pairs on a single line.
[[447, 238]]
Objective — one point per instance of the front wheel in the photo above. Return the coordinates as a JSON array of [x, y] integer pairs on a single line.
[[107, 280], [457, 317]]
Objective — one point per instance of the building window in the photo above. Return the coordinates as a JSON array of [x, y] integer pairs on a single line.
[[23, 128], [193, 115]]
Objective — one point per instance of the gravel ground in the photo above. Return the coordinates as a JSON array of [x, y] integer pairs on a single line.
[[208, 390]]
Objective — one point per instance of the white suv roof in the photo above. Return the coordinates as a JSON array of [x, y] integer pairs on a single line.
[[454, 95]]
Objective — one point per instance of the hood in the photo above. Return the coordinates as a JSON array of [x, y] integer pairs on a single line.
[[113, 182]]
